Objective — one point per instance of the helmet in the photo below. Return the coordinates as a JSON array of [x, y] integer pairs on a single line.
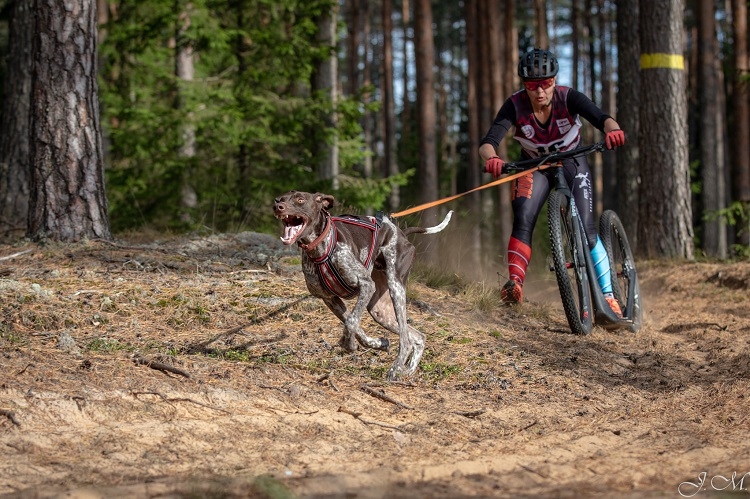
[[538, 63]]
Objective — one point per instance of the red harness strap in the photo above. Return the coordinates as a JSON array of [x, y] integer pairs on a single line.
[[329, 275]]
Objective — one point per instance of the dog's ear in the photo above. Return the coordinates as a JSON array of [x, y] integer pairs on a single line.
[[324, 199]]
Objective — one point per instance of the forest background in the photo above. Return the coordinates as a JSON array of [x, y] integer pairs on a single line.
[[196, 114]]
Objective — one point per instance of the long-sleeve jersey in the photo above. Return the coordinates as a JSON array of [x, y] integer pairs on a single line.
[[559, 133]]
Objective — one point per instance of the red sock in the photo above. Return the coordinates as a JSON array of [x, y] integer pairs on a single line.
[[519, 254]]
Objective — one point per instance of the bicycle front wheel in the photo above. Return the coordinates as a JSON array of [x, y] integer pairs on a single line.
[[566, 240], [622, 268]]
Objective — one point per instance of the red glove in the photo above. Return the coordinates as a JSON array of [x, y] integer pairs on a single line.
[[494, 165], [614, 138]]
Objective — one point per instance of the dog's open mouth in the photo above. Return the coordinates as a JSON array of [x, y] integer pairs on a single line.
[[293, 227]]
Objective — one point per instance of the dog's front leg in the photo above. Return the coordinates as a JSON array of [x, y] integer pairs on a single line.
[[336, 305], [353, 322]]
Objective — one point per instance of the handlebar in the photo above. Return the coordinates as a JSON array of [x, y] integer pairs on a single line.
[[525, 164]]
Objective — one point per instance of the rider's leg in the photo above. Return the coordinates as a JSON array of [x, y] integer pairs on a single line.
[[528, 194], [601, 264]]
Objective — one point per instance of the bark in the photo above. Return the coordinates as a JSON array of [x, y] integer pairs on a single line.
[[389, 108], [540, 16], [608, 200], [185, 74], [511, 48], [425, 59], [473, 202], [741, 107], [14, 123], [628, 90], [665, 216], [352, 43], [367, 94], [714, 240], [406, 104], [325, 80], [575, 40], [67, 197]]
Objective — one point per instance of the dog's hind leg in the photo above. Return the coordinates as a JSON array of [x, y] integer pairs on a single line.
[[411, 346], [418, 341], [398, 260]]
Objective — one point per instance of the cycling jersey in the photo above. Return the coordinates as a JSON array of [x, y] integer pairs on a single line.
[[560, 132]]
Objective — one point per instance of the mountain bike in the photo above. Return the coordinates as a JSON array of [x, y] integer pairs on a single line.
[[583, 301]]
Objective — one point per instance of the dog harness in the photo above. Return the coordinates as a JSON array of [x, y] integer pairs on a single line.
[[329, 275]]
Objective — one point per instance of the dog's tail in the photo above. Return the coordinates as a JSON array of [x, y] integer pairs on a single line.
[[430, 230]]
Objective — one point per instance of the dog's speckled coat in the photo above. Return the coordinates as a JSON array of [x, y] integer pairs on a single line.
[[380, 290]]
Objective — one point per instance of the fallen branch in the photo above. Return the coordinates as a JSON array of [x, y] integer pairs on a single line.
[[14, 255], [181, 399], [159, 366], [10, 415], [24, 369], [357, 415], [382, 396], [529, 425], [471, 414], [203, 347], [327, 376]]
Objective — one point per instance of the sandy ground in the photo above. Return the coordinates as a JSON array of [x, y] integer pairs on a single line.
[[201, 368]]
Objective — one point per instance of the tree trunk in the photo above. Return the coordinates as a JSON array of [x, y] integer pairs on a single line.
[[425, 59], [352, 43], [741, 108], [714, 240], [14, 123], [575, 40], [540, 16], [628, 92], [367, 126], [389, 108], [473, 202], [406, 103], [608, 200], [67, 199], [185, 74], [325, 80], [665, 216]]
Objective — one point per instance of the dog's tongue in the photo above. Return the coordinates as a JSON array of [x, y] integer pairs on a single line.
[[290, 233]]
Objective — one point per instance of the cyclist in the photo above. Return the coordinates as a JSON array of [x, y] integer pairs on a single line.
[[546, 119]]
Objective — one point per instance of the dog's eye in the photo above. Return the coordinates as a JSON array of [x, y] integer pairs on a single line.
[[300, 200]]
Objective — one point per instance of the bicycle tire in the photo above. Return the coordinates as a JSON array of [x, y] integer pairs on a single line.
[[566, 241], [622, 267]]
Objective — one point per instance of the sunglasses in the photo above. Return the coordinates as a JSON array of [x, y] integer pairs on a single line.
[[533, 86]]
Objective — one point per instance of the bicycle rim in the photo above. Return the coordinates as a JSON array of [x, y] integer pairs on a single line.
[[566, 241], [622, 268]]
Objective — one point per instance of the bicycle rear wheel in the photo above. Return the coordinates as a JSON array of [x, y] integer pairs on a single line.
[[622, 268], [566, 240]]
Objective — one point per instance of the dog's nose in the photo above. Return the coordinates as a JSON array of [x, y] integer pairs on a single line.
[[278, 207]]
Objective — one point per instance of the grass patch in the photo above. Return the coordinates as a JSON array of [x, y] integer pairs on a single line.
[[439, 371], [107, 345]]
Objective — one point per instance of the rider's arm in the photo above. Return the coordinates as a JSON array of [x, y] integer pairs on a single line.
[[504, 120], [578, 103]]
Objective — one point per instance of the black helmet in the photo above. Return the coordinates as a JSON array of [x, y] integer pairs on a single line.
[[538, 64]]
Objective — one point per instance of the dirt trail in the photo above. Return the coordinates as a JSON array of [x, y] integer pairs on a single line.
[[506, 403]]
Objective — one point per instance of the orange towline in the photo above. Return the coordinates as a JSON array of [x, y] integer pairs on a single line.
[[499, 181]]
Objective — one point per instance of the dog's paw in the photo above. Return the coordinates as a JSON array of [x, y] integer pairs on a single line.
[[349, 343], [394, 373], [385, 345]]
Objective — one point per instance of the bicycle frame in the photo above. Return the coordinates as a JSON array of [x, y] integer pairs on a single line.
[[603, 314]]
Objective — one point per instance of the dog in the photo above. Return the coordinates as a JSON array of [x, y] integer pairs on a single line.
[[367, 258]]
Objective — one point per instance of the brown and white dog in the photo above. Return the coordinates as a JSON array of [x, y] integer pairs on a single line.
[[368, 258]]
